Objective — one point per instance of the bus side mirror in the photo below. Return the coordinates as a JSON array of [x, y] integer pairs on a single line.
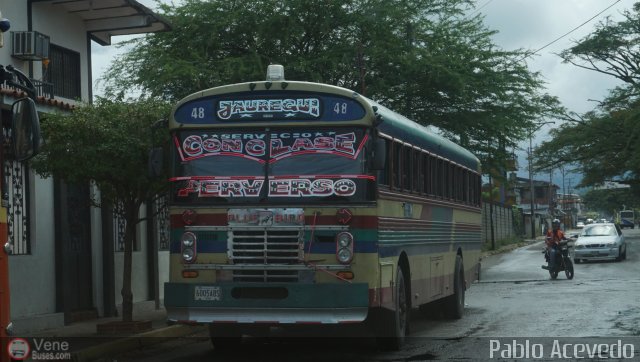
[[156, 164], [378, 161], [25, 129]]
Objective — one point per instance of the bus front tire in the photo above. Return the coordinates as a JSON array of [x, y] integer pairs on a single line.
[[392, 326]]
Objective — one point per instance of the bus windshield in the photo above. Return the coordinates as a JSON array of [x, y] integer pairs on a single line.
[[270, 166]]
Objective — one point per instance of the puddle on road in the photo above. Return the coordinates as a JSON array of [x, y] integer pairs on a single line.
[[628, 321]]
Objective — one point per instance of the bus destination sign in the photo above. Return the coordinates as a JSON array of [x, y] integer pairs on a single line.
[[252, 107]]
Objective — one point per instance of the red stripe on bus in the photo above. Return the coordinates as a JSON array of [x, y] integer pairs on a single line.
[[360, 222]]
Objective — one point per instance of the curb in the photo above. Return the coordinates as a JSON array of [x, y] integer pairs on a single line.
[[132, 342], [510, 247]]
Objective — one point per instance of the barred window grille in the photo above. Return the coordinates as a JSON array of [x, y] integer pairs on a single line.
[[162, 222], [119, 230], [64, 72], [119, 226], [18, 207]]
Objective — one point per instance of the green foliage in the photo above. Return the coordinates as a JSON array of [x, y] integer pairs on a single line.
[[424, 59], [518, 226], [107, 143], [604, 144], [612, 49], [607, 200]]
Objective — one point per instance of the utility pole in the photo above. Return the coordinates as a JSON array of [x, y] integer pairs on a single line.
[[536, 127], [531, 190]]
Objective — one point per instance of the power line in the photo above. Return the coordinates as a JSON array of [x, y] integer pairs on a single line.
[[480, 8], [572, 30]]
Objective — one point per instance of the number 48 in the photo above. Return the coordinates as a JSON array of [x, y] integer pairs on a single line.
[[340, 108], [197, 112]]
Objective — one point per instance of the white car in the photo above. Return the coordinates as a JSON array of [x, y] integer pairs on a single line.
[[580, 225], [600, 241]]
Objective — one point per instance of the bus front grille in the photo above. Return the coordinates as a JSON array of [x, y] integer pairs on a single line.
[[268, 247]]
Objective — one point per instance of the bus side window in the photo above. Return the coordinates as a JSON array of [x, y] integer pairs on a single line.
[[406, 168], [426, 173], [459, 184], [395, 165], [465, 186], [384, 175], [419, 162]]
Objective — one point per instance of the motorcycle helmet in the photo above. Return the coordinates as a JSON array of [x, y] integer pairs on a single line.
[[555, 223]]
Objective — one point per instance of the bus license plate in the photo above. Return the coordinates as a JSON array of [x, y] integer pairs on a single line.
[[208, 293]]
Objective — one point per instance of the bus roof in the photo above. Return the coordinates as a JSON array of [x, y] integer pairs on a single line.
[[393, 124], [399, 126]]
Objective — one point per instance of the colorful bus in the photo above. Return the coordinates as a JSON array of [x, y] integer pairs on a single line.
[[297, 203]]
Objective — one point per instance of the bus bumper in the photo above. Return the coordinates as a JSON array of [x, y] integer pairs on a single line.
[[267, 303]]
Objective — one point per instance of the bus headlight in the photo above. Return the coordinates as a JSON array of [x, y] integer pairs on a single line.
[[188, 239], [188, 247], [344, 256], [188, 255], [344, 240], [344, 247]]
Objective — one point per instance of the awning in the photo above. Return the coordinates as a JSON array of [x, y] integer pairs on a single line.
[[107, 18]]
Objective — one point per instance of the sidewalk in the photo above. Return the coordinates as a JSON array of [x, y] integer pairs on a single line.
[[85, 344], [510, 247]]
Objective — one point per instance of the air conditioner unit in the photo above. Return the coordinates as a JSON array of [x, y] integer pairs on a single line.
[[30, 45]]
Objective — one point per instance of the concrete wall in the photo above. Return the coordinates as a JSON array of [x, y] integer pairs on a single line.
[[502, 223], [16, 12], [67, 31], [32, 277], [139, 268]]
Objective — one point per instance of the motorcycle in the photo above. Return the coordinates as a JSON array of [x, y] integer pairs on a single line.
[[563, 260]]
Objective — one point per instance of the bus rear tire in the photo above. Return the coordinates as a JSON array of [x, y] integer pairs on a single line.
[[454, 304], [393, 326]]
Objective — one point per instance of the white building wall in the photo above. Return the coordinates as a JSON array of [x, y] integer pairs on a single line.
[[97, 265], [32, 277], [16, 12], [64, 30], [139, 268], [163, 267]]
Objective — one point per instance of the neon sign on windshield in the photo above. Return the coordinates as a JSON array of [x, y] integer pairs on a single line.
[[277, 145]]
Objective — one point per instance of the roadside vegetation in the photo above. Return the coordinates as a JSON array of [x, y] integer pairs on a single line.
[[604, 144]]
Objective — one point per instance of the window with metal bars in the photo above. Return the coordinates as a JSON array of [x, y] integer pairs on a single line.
[[18, 207], [63, 71]]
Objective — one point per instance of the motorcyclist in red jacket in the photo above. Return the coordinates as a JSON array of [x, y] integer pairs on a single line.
[[554, 236]]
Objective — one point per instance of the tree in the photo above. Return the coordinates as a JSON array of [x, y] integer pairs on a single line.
[[426, 59], [604, 143], [608, 200], [108, 143]]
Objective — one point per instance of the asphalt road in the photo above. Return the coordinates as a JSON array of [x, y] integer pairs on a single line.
[[514, 308]]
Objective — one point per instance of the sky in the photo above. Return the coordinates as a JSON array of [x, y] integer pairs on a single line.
[[521, 24], [532, 24]]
